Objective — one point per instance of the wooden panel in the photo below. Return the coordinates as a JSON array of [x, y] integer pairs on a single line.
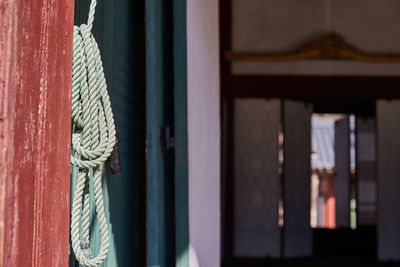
[[388, 150], [36, 85], [366, 171], [297, 179]]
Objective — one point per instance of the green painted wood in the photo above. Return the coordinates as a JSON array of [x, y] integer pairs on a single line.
[[156, 251], [160, 116], [181, 135], [119, 31], [155, 182]]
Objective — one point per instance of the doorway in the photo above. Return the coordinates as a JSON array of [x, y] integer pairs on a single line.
[[279, 174]]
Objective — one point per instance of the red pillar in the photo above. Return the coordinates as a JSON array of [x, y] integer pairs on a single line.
[[330, 211], [35, 91]]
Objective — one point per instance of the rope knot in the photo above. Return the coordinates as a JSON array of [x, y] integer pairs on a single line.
[[86, 251]]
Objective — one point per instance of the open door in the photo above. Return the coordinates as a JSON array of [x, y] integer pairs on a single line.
[[297, 179], [256, 185], [342, 172], [388, 144]]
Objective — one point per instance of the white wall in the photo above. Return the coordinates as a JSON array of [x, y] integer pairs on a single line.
[[204, 132]]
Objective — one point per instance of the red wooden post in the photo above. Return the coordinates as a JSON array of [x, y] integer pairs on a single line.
[[35, 102]]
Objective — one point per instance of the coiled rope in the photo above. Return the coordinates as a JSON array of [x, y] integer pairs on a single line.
[[93, 140]]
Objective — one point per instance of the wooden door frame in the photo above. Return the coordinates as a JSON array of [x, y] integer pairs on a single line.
[[35, 74], [181, 175]]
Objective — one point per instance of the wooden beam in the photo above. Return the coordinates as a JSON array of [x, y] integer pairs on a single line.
[[312, 87]]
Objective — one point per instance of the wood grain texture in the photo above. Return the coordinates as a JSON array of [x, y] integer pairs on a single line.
[[35, 142]]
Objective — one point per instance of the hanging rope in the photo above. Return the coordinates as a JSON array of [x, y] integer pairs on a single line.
[[93, 140]]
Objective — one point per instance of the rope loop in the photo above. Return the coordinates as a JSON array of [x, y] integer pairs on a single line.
[[93, 140]]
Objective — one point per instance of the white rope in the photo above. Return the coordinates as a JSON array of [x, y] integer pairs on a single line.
[[92, 141]]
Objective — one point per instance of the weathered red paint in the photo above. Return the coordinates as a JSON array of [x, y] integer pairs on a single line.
[[35, 91]]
